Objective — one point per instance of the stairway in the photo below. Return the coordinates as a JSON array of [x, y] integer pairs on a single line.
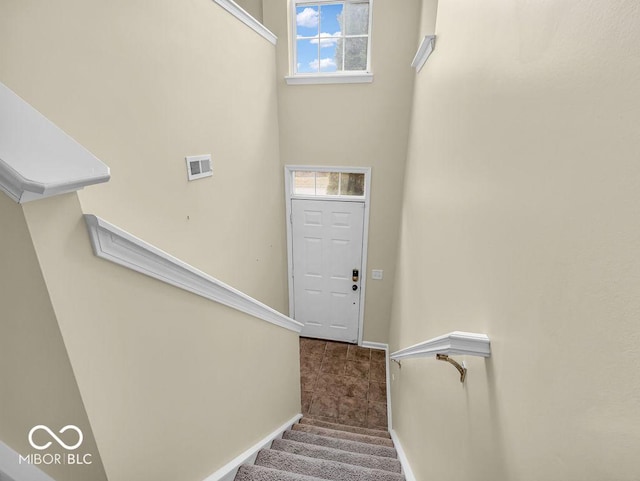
[[314, 450]]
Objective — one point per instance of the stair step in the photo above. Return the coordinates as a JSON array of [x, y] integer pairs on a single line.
[[321, 468], [332, 454], [361, 438], [343, 444], [344, 427], [260, 473]]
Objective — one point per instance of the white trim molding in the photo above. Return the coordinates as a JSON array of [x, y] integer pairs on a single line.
[[402, 457], [316, 78], [424, 50], [347, 78], [229, 470], [289, 196], [375, 345], [12, 470], [116, 245], [38, 159], [457, 342], [384, 347], [245, 17]]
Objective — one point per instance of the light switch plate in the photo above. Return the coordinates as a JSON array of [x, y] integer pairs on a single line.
[[377, 274]]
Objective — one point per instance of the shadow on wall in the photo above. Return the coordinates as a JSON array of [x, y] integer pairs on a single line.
[[495, 454], [485, 431]]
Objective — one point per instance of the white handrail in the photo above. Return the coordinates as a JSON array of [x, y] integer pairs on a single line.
[[245, 17], [424, 50], [38, 159], [116, 245], [456, 342], [11, 469]]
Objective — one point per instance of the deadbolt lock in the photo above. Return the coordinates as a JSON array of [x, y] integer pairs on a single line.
[[356, 275]]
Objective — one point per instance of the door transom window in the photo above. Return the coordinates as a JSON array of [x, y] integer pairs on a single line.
[[328, 184]]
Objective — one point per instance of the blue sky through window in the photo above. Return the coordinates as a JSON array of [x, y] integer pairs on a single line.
[[319, 27]]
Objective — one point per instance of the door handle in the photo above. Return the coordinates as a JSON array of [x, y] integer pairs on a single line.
[[354, 287]]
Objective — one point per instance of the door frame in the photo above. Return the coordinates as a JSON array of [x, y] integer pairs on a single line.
[[289, 196]]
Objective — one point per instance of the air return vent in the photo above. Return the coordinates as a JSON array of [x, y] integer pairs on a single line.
[[199, 166]]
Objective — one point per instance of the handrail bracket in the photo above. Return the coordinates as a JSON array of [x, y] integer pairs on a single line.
[[398, 363], [461, 369]]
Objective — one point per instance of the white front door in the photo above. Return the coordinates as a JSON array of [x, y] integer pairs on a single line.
[[327, 257]]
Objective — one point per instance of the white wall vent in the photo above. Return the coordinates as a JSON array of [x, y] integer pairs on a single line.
[[199, 166]]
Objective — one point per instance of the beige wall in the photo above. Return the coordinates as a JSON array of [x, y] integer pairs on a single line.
[[37, 383], [142, 85], [520, 219], [358, 125], [174, 385], [253, 7]]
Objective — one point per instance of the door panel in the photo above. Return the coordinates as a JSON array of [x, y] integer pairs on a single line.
[[327, 247]]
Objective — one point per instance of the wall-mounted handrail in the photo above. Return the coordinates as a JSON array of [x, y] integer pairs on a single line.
[[245, 17], [120, 247], [441, 347], [462, 369], [38, 159]]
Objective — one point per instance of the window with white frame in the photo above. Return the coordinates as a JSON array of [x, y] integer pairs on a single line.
[[328, 183], [330, 37]]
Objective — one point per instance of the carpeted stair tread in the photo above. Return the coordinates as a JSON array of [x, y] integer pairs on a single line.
[[361, 438], [321, 468], [343, 444], [260, 473], [344, 427], [331, 454]]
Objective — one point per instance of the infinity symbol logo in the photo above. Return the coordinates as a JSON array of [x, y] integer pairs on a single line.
[[53, 435]]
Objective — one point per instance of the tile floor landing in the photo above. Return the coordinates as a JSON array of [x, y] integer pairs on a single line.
[[343, 383]]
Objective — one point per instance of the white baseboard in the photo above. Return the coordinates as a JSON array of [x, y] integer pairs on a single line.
[[375, 345], [229, 470], [402, 457], [385, 347]]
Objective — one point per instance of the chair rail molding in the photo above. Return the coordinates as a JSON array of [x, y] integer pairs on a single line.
[[454, 343], [245, 17], [116, 245], [37, 158]]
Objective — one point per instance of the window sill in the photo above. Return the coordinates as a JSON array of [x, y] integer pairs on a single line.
[[351, 78]]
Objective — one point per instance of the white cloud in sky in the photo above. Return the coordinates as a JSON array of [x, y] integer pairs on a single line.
[[326, 39], [324, 63], [307, 18]]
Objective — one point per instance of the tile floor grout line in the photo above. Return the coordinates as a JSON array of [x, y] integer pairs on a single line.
[[351, 392]]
